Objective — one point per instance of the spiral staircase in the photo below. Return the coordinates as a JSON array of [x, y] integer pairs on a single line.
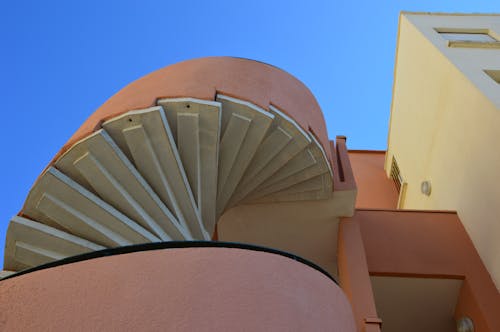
[[165, 173]]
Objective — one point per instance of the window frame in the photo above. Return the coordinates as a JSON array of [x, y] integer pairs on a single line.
[[470, 43]]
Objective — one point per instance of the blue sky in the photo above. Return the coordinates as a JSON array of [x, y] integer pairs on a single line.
[[60, 60]]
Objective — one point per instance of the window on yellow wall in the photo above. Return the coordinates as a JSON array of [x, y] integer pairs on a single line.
[[474, 38], [468, 37]]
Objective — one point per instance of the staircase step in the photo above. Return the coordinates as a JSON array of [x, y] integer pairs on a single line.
[[60, 202], [30, 243], [164, 173], [204, 174], [243, 128]]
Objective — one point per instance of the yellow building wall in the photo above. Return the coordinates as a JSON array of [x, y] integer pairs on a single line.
[[445, 129]]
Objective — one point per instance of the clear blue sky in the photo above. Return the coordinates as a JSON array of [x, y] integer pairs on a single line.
[[60, 60]]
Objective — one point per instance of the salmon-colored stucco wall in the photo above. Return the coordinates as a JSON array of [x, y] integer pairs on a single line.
[[354, 276], [343, 177], [203, 78], [187, 289], [430, 244], [375, 190]]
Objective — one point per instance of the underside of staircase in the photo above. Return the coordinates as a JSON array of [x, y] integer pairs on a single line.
[[165, 173]]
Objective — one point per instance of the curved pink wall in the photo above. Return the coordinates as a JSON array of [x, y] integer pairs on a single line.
[[203, 78], [188, 289]]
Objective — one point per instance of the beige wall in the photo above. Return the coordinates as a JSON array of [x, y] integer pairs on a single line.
[[445, 126], [307, 229], [470, 61]]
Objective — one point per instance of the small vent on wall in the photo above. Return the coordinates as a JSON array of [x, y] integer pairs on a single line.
[[396, 175]]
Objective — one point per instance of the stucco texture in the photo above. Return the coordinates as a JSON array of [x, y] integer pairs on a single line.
[[203, 78], [430, 244], [375, 189], [186, 289]]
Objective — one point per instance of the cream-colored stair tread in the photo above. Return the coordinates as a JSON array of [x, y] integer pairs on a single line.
[[147, 138], [195, 126], [30, 243], [285, 139], [99, 165], [60, 202], [6, 273], [315, 188], [243, 128], [308, 164]]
